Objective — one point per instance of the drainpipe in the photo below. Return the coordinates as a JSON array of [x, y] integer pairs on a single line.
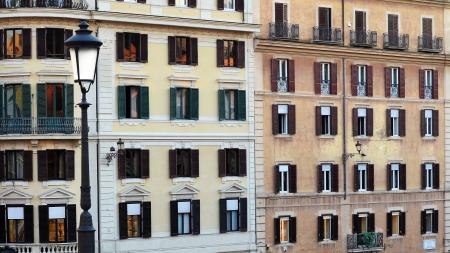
[[98, 149], [344, 107]]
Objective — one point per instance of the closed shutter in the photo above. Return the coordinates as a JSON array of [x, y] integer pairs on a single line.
[[387, 81], [121, 102], [239, 5], [241, 54], [242, 162], [223, 215], [291, 119], [42, 165], [69, 106], [195, 217], [123, 221], [192, 3], [2, 48], [423, 126], [355, 121], [221, 99], [360, 21], [320, 228], [292, 229], [369, 121], [423, 229], [146, 219], [173, 218], [194, 163], [402, 227], [144, 103], [193, 59], [369, 81], [172, 163], [243, 214], [43, 224], [333, 73], [354, 80], [144, 45], [26, 101], [292, 178], [41, 43], [388, 123], [319, 178], [324, 17], [2, 224], [171, 2], [423, 174], [317, 77], [193, 103], [121, 165], [274, 75], [402, 176], [355, 178], [435, 221], [291, 76], [318, 120], [355, 224], [334, 120], [2, 166], [370, 177], [173, 103], [388, 177], [388, 224], [1, 101], [435, 84], [220, 5], [171, 49], [29, 224], [119, 46], [335, 178], [27, 165], [435, 123], [222, 162], [276, 230], [70, 164], [436, 176], [277, 178], [421, 83], [402, 123], [275, 126], [220, 52], [26, 38], [402, 83], [279, 13], [392, 25], [145, 163], [71, 211], [41, 99], [67, 34], [371, 223], [242, 105], [335, 228]]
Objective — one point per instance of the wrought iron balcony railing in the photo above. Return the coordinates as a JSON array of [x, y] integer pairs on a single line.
[[363, 38], [395, 41], [430, 44], [362, 89], [327, 35], [36, 126], [60, 4], [395, 92], [428, 92], [365, 242], [325, 87], [282, 84], [284, 30], [44, 247]]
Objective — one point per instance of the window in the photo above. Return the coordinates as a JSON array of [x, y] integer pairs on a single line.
[[428, 84], [362, 80], [283, 119], [132, 163], [393, 29], [325, 79], [55, 100], [181, 50], [183, 103], [395, 176], [132, 102], [184, 217], [229, 5], [284, 229], [363, 222], [181, 3], [395, 123], [326, 174], [327, 227], [284, 178], [14, 165], [16, 224], [229, 53], [183, 162], [362, 122], [14, 43], [56, 164], [57, 224], [428, 123], [360, 25], [232, 214], [232, 162], [13, 101], [282, 75], [182, 99], [428, 176], [325, 112], [54, 43], [131, 46], [362, 177], [395, 223], [134, 220], [230, 104], [395, 84], [429, 221]]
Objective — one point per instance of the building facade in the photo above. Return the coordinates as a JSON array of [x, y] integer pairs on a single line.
[[349, 108]]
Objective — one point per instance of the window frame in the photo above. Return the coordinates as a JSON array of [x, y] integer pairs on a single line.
[[363, 222], [326, 176], [325, 120], [56, 153], [362, 75], [232, 55], [283, 69], [52, 110], [284, 226], [137, 170], [395, 176], [395, 122], [230, 212], [429, 176], [182, 103], [139, 218], [362, 122], [183, 218], [56, 224], [128, 101], [397, 220], [16, 224], [14, 153], [428, 78], [178, 55], [226, 3], [283, 120], [327, 219], [14, 56], [283, 169], [428, 123], [181, 3], [429, 216], [231, 106], [52, 32], [14, 87], [227, 155], [362, 177], [188, 171]]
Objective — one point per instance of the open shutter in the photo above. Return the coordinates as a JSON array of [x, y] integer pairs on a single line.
[[70, 164], [274, 75], [119, 46], [354, 80], [423, 126], [291, 76], [173, 103], [145, 163], [2, 166], [220, 52], [421, 83], [26, 101], [43, 224], [355, 121], [402, 83], [292, 229], [388, 224], [193, 103], [27, 165], [41, 99], [171, 2], [355, 178], [146, 219], [402, 123], [335, 178], [291, 119], [241, 54], [29, 224], [220, 5], [388, 177], [402, 176], [435, 221], [173, 218], [317, 77], [388, 123], [369, 121], [402, 227], [334, 120], [435, 94], [195, 216], [144, 45], [69, 106], [242, 162], [319, 178], [371, 222], [67, 34], [292, 178], [435, 123], [2, 224], [276, 230], [1, 99], [355, 224], [320, 228], [221, 105], [318, 120], [144, 104], [121, 165], [194, 163], [277, 178], [423, 214], [192, 3], [370, 177], [2, 46], [369, 81], [243, 214], [123, 221], [223, 215], [26, 38], [171, 48], [193, 51], [41, 43], [172, 163], [239, 5], [423, 176], [387, 81], [436, 176], [242, 105], [222, 162], [71, 211], [333, 73], [121, 102], [275, 127], [335, 228], [42, 165]]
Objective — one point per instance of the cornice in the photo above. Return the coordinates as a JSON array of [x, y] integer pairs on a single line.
[[423, 2], [311, 49]]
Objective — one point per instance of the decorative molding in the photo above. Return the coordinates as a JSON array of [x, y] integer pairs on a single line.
[[134, 193], [14, 196], [184, 191], [56, 196], [182, 78]]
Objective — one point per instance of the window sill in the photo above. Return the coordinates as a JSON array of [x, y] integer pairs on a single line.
[[429, 138], [182, 68], [55, 183], [183, 123], [283, 136], [133, 181], [231, 179], [395, 138], [132, 122], [429, 235], [327, 242], [326, 137], [395, 237], [179, 180], [15, 183], [131, 64], [362, 137]]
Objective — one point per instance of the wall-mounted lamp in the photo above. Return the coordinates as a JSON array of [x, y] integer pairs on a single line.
[[358, 147], [112, 151]]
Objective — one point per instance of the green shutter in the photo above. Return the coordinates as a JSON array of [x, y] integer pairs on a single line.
[[41, 99], [173, 103], [1, 101], [121, 102], [221, 104], [193, 103], [69, 100], [26, 101], [144, 102], [241, 106]]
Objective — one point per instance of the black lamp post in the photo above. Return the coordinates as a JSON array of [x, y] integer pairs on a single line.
[[84, 49]]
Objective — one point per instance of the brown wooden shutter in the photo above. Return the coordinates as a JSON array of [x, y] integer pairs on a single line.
[[388, 123], [291, 76], [292, 178], [371, 222], [173, 218], [70, 164], [29, 224], [71, 211], [355, 178], [402, 83], [436, 176], [67, 34], [422, 123], [355, 121], [222, 162], [435, 84], [171, 50], [145, 163], [26, 37], [333, 88], [123, 224], [171, 2], [421, 83], [276, 230], [119, 46], [402, 176], [275, 127], [27, 165], [2, 47], [335, 228], [427, 27], [423, 176], [279, 17], [369, 70], [144, 47], [402, 221], [402, 123], [388, 177], [318, 120], [360, 21], [193, 51], [2, 166], [355, 224], [319, 178], [220, 52], [172, 163], [42, 165], [435, 123], [222, 215], [334, 120], [220, 5], [319, 228], [243, 214], [389, 224], [274, 75], [41, 43], [387, 81], [121, 164], [354, 80], [369, 121], [276, 177], [370, 177], [241, 54], [146, 219], [335, 178], [242, 162], [291, 119], [292, 229], [435, 221], [195, 216], [239, 5], [194, 163], [43, 224], [423, 214], [317, 77], [192, 3]]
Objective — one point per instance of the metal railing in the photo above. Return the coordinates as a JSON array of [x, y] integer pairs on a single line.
[[395, 41], [428, 92], [362, 89], [430, 44], [395, 92], [325, 87], [363, 38], [45, 125], [284, 30], [282, 84], [327, 35], [60, 4], [44, 247], [365, 242]]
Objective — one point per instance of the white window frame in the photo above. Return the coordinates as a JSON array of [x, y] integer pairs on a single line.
[[398, 223], [284, 174], [363, 217], [283, 68], [395, 176], [283, 112], [362, 74], [395, 76], [284, 218], [428, 123], [329, 220], [232, 206], [326, 111], [431, 217], [395, 122], [362, 177], [362, 114], [428, 176], [326, 69], [181, 3], [326, 175], [428, 78], [226, 4], [184, 214]]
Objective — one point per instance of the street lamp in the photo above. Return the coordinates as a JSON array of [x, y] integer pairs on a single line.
[[112, 152], [84, 49]]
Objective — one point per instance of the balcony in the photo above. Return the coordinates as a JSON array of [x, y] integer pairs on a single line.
[[395, 92], [363, 39], [325, 87], [365, 242], [327, 35], [284, 31], [396, 42], [60, 4], [41, 248], [282, 84], [37, 126], [430, 44]]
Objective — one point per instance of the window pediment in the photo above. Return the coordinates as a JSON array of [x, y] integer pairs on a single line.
[[14, 196], [56, 196], [185, 191], [134, 193]]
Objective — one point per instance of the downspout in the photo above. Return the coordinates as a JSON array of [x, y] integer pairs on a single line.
[[98, 150], [344, 105]]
